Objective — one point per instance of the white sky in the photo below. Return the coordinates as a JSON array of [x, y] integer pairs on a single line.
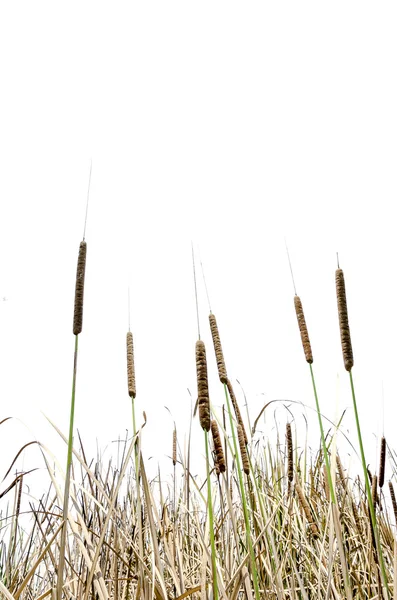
[[230, 124]]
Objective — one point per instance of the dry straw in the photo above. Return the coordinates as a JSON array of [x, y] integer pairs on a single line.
[[236, 409], [243, 450], [202, 386], [382, 462], [130, 366], [219, 455], [344, 320], [303, 329], [220, 361], [79, 292]]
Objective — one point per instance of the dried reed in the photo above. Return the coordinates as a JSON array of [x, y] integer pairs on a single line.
[[130, 366], [220, 361], [303, 329], [202, 386], [79, 291]]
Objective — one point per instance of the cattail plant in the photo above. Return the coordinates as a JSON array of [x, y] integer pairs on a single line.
[[236, 409], [77, 329], [174, 447], [347, 352], [290, 455], [243, 450], [393, 500], [382, 462], [219, 455], [130, 366], [307, 510], [220, 361], [202, 386]]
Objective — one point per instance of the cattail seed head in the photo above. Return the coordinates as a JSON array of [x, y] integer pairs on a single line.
[[174, 447], [220, 457], [382, 462], [393, 500], [130, 366], [220, 361], [303, 330], [306, 509], [202, 386], [243, 450], [347, 349], [290, 453], [79, 291], [236, 409]]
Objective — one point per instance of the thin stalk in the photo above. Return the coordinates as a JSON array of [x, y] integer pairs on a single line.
[[67, 479], [244, 500], [369, 491], [211, 517]]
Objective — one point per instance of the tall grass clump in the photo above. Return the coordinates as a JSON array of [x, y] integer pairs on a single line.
[[257, 521]]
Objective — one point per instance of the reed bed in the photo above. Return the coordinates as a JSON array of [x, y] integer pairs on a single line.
[[272, 521]]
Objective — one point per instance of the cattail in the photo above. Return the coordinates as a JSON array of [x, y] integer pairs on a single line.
[[375, 498], [220, 457], [393, 500], [79, 291], [243, 450], [202, 386], [382, 462], [303, 330], [236, 409], [130, 366], [306, 509], [347, 349], [174, 448], [220, 361], [290, 453]]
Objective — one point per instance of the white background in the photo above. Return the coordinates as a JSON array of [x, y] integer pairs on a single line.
[[232, 125]]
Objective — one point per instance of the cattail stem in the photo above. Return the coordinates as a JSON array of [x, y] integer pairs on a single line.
[[243, 498], [211, 518], [61, 564], [369, 490]]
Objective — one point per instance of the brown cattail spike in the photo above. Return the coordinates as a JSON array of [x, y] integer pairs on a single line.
[[290, 453], [130, 366], [303, 330], [236, 409], [202, 386], [79, 292], [393, 500], [382, 462], [306, 509], [174, 448], [243, 450], [220, 457], [344, 320], [218, 349]]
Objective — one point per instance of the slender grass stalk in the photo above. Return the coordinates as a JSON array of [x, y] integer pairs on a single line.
[[211, 518], [243, 499]]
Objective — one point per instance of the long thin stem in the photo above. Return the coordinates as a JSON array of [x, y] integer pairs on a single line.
[[211, 517], [368, 490], [67, 479]]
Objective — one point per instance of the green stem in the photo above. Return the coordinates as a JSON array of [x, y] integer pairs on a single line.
[[325, 451], [368, 490], [211, 517], [61, 565], [244, 500]]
